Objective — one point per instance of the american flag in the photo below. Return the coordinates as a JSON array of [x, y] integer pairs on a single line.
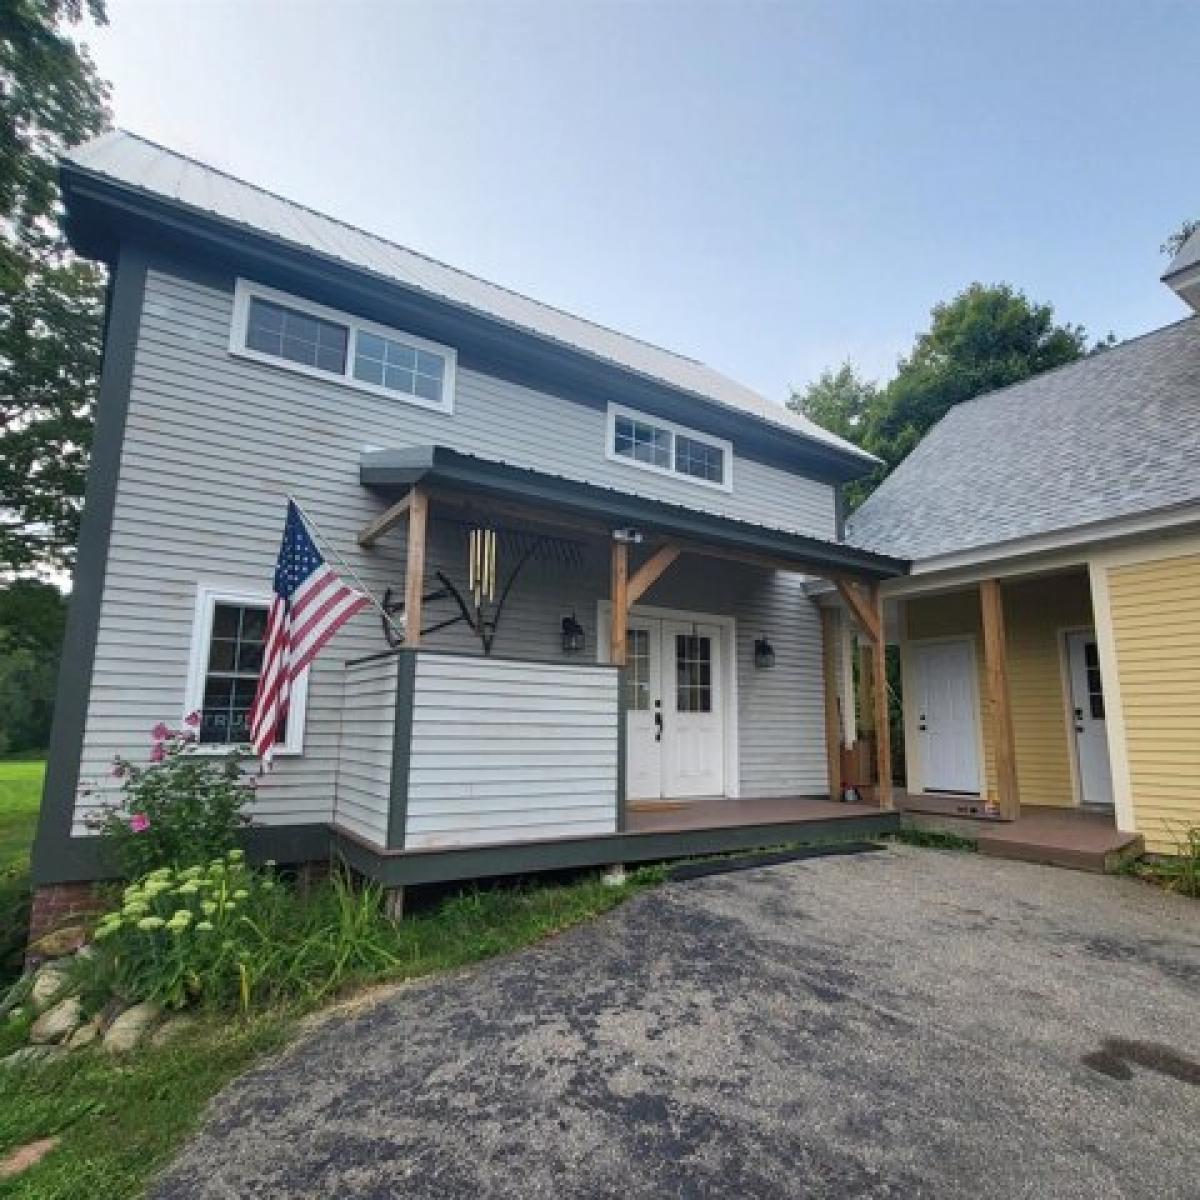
[[311, 604]]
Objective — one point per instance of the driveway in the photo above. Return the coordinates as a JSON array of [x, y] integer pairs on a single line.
[[903, 1023]]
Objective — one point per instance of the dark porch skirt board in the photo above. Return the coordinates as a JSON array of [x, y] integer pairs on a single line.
[[479, 862]]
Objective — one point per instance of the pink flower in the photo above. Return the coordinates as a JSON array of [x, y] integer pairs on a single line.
[[139, 822], [118, 771], [192, 719], [158, 752], [160, 731]]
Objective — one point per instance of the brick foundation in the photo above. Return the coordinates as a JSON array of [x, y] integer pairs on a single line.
[[59, 904]]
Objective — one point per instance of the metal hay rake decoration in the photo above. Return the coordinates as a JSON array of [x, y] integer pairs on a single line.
[[480, 608]]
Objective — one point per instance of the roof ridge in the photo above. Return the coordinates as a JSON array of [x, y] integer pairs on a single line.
[[375, 237]]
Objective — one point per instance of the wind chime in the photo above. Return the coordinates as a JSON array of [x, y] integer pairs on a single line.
[[481, 567]]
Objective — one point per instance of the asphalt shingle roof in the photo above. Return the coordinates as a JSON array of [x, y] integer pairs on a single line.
[[142, 165], [1113, 435]]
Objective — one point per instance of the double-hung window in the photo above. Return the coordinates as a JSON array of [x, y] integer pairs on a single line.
[[657, 445], [286, 331], [227, 654]]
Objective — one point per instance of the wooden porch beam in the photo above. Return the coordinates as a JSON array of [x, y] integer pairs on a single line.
[[414, 571], [650, 571], [833, 724], [370, 533], [883, 726], [862, 608], [620, 603], [999, 703]]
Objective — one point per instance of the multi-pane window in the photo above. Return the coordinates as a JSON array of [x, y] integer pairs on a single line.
[[699, 459], [693, 673], [661, 446], [642, 442], [1091, 661], [287, 331], [637, 670], [296, 336], [235, 655], [398, 366]]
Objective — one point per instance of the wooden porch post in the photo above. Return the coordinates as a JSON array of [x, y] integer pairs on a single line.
[[620, 603], [833, 724], [866, 606], [414, 571], [999, 704]]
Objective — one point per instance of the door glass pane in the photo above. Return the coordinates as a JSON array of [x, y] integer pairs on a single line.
[[637, 670], [693, 673], [1091, 660]]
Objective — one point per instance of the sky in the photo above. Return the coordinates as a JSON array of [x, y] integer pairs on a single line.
[[773, 188]]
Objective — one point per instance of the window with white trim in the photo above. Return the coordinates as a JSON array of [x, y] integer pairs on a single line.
[[669, 449], [298, 335], [227, 653]]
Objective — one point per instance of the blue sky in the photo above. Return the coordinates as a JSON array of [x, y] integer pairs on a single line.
[[769, 187]]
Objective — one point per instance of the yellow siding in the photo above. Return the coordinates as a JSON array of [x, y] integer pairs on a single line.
[[1035, 614], [1155, 611]]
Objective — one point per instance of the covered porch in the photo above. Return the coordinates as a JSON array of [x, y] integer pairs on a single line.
[[460, 756]]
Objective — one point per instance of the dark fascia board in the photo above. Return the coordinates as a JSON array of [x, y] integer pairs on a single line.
[[101, 213], [390, 471]]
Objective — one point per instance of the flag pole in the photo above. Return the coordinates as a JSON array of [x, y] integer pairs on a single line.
[[383, 612]]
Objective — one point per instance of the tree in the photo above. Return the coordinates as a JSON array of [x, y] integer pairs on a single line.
[[50, 306], [32, 619], [838, 401], [986, 338], [1175, 242]]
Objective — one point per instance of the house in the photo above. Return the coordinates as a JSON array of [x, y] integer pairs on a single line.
[[595, 553], [1049, 627]]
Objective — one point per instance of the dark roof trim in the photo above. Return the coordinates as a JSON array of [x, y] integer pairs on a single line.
[[101, 212], [389, 471]]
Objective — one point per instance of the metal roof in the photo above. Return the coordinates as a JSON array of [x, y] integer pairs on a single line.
[[1113, 435], [390, 471], [134, 163]]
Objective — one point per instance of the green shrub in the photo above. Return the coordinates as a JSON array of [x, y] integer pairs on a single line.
[[231, 938], [180, 809], [1179, 872]]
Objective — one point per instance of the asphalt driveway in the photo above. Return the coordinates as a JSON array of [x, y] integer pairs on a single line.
[[907, 1023]]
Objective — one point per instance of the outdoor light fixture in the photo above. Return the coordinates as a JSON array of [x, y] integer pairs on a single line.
[[633, 537], [572, 635], [764, 653]]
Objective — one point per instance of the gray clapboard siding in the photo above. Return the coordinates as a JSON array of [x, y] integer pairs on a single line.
[[362, 800], [214, 444], [511, 773]]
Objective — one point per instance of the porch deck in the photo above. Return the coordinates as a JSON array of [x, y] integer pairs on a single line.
[[1081, 838], [670, 816]]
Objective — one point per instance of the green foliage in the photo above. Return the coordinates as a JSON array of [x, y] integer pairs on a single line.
[[1175, 242], [931, 840], [50, 306], [1179, 872], [32, 615], [20, 793], [179, 809], [838, 401]]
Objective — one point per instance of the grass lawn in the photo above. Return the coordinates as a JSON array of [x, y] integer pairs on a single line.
[[20, 794], [120, 1121]]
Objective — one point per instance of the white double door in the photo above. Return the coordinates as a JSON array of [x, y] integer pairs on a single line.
[[674, 710]]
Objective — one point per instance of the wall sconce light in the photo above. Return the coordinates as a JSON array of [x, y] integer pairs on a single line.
[[764, 653], [572, 635]]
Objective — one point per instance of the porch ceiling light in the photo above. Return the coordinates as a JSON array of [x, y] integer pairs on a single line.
[[764, 653], [572, 635]]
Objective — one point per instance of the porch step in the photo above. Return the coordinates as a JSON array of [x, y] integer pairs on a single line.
[[1102, 860]]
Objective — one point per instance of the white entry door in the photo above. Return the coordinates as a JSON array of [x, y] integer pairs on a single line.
[[674, 710], [947, 716], [1087, 711]]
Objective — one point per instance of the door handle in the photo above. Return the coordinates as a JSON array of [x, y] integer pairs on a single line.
[[658, 725]]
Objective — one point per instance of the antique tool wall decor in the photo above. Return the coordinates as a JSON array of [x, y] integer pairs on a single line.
[[483, 603]]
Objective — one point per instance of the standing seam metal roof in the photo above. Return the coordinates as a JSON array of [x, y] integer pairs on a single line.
[[137, 163]]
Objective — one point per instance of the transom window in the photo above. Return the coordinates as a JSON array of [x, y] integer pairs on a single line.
[[670, 449], [227, 656], [287, 331]]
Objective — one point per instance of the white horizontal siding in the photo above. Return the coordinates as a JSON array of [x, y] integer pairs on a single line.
[[214, 444], [362, 801], [486, 767]]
